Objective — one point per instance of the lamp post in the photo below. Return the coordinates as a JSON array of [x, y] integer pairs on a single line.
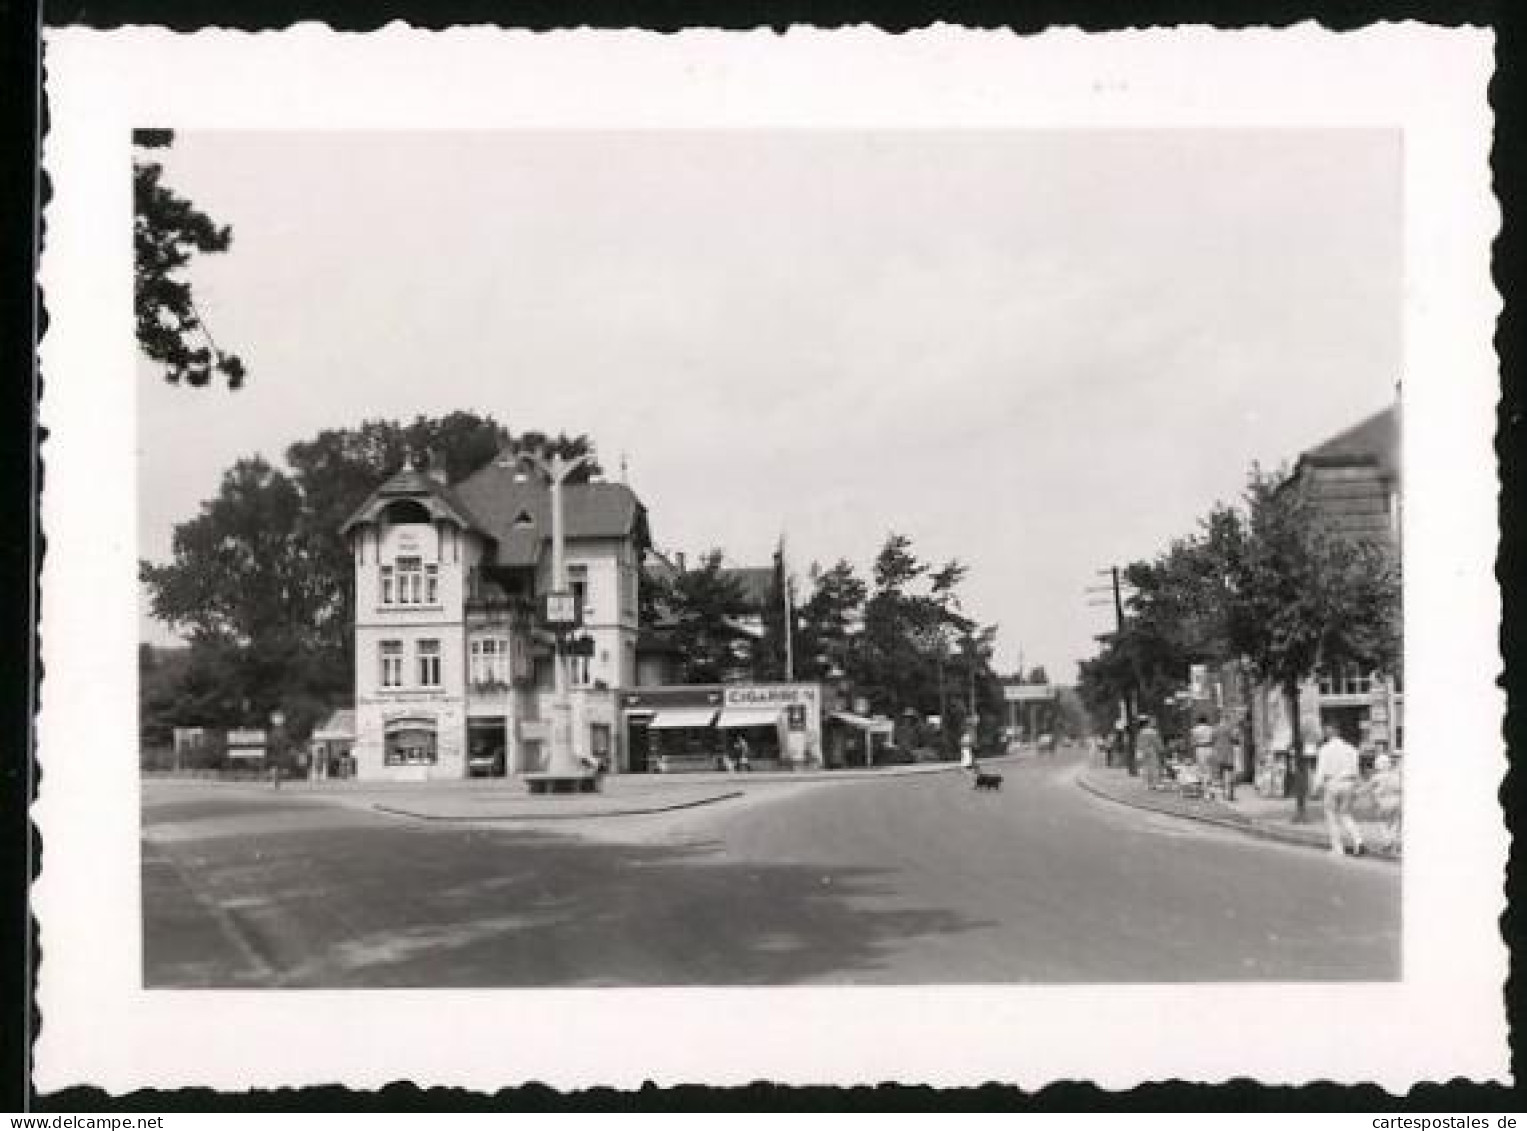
[[561, 761], [277, 718]]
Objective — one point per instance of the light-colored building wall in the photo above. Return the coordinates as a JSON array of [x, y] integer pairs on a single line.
[[409, 624], [608, 571]]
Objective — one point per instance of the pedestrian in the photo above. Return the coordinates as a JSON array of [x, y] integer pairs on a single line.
[[1224, 757], [1149, 750], [968, 753], [743, 755], [1202, 739], [1336, 776], [1387, 790]]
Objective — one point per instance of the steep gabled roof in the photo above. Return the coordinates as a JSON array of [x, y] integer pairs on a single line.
[[411, 483], [1375, 440], [501, 501]]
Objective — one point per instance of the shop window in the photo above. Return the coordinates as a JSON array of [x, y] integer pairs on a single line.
[[429, 663], [392, 663], [411, 744]]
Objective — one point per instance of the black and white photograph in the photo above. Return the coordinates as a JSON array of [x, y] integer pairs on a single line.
[[853, 543], [968, 558]]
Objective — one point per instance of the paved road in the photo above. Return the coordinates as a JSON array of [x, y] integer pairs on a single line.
[[909, 880]]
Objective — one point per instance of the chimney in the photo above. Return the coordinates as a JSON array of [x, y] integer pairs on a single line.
[[678, 558]]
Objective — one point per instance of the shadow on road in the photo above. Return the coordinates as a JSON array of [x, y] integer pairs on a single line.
[[402, 906]]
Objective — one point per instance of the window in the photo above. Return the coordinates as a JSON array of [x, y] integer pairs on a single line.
[[1350, 680], [490, 660], [578, 581], [578, 670], [429, 663], [386, 585], [599, 741], [432, 584], [410, 742], [410, 581], [392, 663]]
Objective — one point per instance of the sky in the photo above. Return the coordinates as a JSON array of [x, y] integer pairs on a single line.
[[1040, 352]]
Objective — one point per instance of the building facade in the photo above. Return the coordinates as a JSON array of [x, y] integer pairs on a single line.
[[1354, 482], [453, 676]]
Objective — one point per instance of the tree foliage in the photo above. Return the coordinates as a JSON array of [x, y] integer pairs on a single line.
[[918, 652], [828, 621], [168, 232], [696, 610], [1267, 580]]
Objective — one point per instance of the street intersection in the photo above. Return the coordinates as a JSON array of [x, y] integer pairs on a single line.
[[904, 879]]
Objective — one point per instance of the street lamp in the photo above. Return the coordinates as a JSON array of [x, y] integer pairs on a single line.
[[561, 761], [277, 718]]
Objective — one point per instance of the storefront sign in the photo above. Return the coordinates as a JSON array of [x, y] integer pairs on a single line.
[[771, 696]]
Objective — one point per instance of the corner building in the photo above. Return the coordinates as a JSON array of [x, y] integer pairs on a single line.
[[452, 676]]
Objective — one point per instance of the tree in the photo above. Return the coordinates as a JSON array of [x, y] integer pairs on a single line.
[[1266, 580], [829, 621], [698, 610], [1303, 597], [240, 571], [168, 230], [568, 447], [918, 651]]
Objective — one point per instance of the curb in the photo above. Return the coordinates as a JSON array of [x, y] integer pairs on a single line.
[[1258, 829], [563, 816]]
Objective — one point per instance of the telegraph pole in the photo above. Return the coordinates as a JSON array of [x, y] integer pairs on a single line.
[[1130, 700], [1132, 694]]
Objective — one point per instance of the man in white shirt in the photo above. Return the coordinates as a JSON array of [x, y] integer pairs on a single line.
[[1336, 774]]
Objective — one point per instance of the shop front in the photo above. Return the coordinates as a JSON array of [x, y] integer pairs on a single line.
[[731, 726]]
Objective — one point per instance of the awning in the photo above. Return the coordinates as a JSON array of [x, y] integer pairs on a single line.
[[749, 717], [874, 726], [677, 718]]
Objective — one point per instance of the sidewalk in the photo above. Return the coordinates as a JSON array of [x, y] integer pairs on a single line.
[[1271, 818], [507, 799]]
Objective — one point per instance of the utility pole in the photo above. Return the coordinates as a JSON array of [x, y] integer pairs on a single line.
[[1132, 694], [1134, 666]]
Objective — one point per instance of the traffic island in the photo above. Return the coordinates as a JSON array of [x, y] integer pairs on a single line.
[[506, 807], [562, 783], [1119, 787]]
